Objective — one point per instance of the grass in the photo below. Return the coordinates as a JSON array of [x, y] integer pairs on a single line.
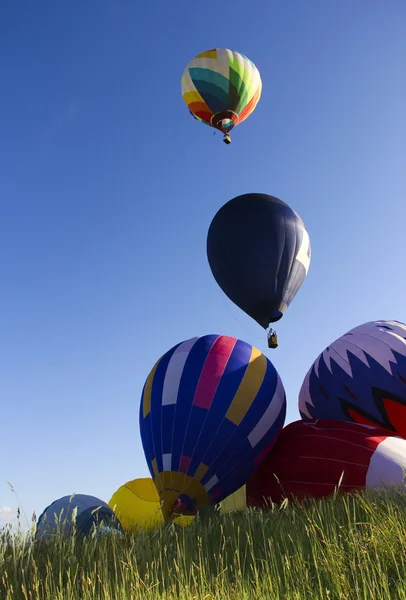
[[351, 546]]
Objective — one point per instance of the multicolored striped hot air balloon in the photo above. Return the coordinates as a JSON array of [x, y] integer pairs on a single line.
[[221, 88], [211, 409]]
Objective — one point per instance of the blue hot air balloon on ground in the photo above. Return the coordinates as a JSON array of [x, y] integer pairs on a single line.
[[360, 377], [59, 517], [259, 253], [211, 409]]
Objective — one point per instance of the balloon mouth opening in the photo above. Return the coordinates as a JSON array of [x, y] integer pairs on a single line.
[[184, 505], [227, 125], [225, 121], [276, 316]]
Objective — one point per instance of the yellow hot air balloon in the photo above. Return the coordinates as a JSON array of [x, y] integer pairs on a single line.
[[236, 501], [137, 505]]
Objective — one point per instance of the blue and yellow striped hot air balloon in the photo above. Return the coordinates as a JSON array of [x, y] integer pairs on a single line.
[[211, 409], [221, 88]]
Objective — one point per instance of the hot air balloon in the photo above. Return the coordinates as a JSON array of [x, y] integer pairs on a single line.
[[137, 505], [259, 253], [360, 377], [211, 410], [314, 458], [221, 88], [91, 512], [234, 502]]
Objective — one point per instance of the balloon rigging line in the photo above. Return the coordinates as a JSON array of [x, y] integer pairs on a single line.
[[256, 337]]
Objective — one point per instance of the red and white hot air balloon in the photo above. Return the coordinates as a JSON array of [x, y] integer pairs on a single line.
[[310, 457]]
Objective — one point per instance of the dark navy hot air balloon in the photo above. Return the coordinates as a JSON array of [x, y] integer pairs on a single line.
[[360, 377], [259, 253], [211, 409]]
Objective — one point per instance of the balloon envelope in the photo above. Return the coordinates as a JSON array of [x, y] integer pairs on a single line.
[[309, 458], [137, 505], [211, 409], [360, 377], [235, 502], [259, 253], [221, 88], [58, 517]]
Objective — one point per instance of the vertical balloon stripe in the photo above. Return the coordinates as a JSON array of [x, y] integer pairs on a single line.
[[146, 400], [289, 262], [250, 107], [240, 471], [224, 439], [174, 372], [154, 467], [215, 428], [188, 384], [235, 86], [242, 459], [196, 424], [166, 461], [230, 440], [303, 256], [236, 68], [157, 408], [211, 483], [167, 421], [213, 371], [269, 417], [202, 423], [201, 472], [184, 463], [147, 441], [249, 387]]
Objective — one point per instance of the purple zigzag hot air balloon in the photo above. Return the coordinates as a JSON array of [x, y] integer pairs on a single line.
[[361, 377]]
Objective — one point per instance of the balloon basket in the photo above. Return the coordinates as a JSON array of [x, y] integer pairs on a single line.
[[272, 340], [227, 139]]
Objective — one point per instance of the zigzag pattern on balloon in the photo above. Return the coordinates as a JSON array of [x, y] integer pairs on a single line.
[[360, 377]]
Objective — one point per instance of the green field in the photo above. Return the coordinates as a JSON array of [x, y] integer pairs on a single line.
[[344, 547]]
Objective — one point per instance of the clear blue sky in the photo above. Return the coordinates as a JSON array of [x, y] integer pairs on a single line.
[[108, 187]]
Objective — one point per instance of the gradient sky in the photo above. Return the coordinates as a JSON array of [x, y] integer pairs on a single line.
[[108, 187]]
